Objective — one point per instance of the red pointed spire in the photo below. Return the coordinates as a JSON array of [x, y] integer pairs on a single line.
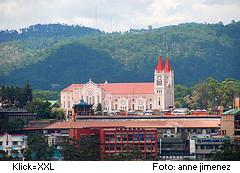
[[159, 67], [167, 66]]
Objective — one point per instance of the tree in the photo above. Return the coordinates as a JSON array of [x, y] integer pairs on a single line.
[[231, 89], [4, 156], [14, 96], [210, 93], [27, 93], [57, 113], [180, 92], [39, 107], [229, 151], [70, 149], [17, 124], [87, 148], [99, 107], [38, 149]]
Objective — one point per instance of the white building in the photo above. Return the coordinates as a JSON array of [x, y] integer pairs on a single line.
[[13, 143], [158, 94]]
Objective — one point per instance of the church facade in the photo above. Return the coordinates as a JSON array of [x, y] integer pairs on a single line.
[[156, 95]]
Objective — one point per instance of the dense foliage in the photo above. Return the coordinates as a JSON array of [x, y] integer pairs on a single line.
[[229, 151], [208, 94], [38, 149], [85, 149], [14, 96], [7, 126], [48, 30], [196, 51], [40, 107]]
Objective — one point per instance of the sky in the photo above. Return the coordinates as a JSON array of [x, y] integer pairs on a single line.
[[116, 15]]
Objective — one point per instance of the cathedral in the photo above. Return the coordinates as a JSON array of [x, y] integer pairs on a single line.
[[156, 95]]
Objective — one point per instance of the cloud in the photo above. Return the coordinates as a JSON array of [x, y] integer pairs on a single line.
[[111, 15]]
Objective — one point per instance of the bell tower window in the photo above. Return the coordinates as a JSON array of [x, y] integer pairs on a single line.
[[159, 80]]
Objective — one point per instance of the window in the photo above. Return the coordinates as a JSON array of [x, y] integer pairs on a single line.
[[159, 82], [15, 142], [209, 147]]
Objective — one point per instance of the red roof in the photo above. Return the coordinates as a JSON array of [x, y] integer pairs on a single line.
[[159, 67], [167, 66], [70, 88], [129, 88], [120, 88], [137, 124]]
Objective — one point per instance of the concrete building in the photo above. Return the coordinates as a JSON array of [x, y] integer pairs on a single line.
[[139, 139], [203, 146], [230, 124], [158, 94], [236, 104], [11, 116], [13, 143]]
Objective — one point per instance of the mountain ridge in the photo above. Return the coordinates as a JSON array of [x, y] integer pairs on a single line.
[[196, 51]]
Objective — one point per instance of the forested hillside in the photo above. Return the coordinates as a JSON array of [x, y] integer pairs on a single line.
[[47, 30], [52, 61]]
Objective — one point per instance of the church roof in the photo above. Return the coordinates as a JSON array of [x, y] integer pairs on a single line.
[[129, 88], [167, 66], [71, 87], [119, 88], [159, 67]]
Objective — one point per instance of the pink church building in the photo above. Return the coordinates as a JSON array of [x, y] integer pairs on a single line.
[[156, 95]]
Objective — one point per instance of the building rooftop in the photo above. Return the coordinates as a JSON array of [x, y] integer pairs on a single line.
[[137, 124], [232, 112], [119, 88]]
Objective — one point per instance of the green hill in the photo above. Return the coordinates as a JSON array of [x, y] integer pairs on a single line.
[[196, 51]]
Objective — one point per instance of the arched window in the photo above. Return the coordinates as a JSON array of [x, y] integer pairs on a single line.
[[159, 82], [98, 99]]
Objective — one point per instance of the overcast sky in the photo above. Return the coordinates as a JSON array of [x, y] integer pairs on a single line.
[[115, 15]]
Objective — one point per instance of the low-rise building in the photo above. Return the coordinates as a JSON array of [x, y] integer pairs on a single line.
[[174, 148], [138, 139], [237, 102], [13, 144], [205, 145], [230, 124], [13, 115]]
